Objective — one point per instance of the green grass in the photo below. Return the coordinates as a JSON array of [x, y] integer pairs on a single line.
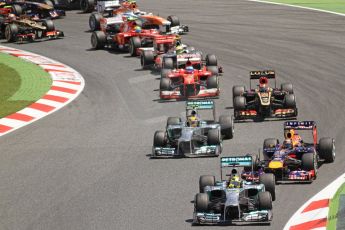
[[330, 5], [333, 209], [21, 82]]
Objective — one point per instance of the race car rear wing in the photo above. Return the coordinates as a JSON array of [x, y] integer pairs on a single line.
[[201, 105], [236, 161], [270, 74], [302, 125], [299, 125], [256, 75]]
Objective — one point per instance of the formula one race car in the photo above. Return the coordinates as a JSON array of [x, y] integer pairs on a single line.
[[125, 35], [42, 10], [19, 29], [264, 101], [194, 137], [189, 83], [296, 159], [234, 200]]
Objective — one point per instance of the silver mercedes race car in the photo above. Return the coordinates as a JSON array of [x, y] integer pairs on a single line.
[[193, 137]]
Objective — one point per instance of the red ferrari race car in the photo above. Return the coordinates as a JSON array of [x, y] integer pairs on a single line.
[[124, 33], [297, 159], [189, 83]]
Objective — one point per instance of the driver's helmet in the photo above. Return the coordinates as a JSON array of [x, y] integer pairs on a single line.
[[11, 16], [234, 180], [179, 49], [263, 81], [189, 69], [287, 144], [137, 29], [193, 119]]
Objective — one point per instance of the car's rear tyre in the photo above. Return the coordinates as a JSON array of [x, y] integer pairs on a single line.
[[17, 9], [159, 139], [168, 63], [213, 137], [165, 84], [239, 103], [309, 162], [95, 21], [147, 59], [211, 60], [268, 179], [238, 90], [134, 44], [213, 69], [201, 202], [174, 121], [11, 31], [212, 82], [98, 40], [87, 6], [265, 201], [49, 24], [206, 180], [227, 126], [287, 87], [175, 21], [290, 101], [327, 149]]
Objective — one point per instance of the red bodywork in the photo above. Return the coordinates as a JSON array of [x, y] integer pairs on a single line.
[[189, 85]]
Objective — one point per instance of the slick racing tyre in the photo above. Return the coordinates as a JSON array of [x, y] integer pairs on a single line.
[[87, 6], [17, 9], [134, 44], [201, 202], [49, 24], [287, 87], [174, 121], [268, 179], [327, 149], [174, 20], [211, 60], [168, 63], [290, 101], [94, 21], [213, 70], [238, 90], [213, 137], [265, 201], [159, 139], [98, 40], [165, 73], [239, 103], [206, 180], [309, 162], [11, 31], [165, 84], [147, 59], [212, 82], [227, 126]]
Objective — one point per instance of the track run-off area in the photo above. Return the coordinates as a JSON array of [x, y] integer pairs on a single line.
[[87, 165]]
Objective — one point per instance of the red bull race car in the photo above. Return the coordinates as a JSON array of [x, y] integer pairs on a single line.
[[296, 159]]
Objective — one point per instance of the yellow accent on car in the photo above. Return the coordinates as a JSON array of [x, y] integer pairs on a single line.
[[275, 164]]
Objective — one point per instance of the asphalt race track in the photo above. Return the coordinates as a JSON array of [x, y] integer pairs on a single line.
[[87, 166]]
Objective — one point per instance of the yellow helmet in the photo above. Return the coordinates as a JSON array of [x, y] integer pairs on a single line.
[[235, 182]]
